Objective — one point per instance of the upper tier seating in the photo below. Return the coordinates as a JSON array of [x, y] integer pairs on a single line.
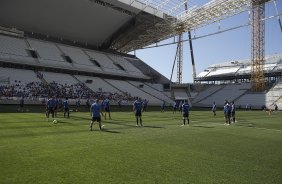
[[14, 49], [105, 62], [180, 95], [97, 84], [59, 78], [223, 71], [151, 91], [229, 92], [19, 75], [48, 53], [129, 68], [158, 87], [205, 93], [79, 58], [133, 91], [255, 100]]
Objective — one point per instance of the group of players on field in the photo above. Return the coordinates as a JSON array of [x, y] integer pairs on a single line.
[[229, 112], [139, 106], [96, 111]]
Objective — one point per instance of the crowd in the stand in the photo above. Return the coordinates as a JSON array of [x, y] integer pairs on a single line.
[[34, 90]]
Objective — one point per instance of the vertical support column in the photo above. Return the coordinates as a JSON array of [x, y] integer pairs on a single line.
[[180, 58], [257, 45]]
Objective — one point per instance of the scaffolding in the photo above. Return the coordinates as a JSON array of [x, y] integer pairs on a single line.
[[258, 44], [179, 57], [172, 16]]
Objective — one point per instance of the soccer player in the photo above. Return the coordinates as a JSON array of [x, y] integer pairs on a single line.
[[145, 105], [275, 107], [227, 112], [95, 111], [56, 106], [21, 104], [174, 106], [119, 105], [163, 106], [87, 103], [66, 108], [77, 103], [51, 103], [233, 108], [137, 107], [214, 109], [107, 108], [180, 106], [185, 111]]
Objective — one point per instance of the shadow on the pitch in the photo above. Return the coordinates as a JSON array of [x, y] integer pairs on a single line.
[[122, 123], [245, 125], [110, 131], [34, 134], [148, 126], [202, 126]]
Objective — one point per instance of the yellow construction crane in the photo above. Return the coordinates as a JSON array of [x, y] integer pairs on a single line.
[[258, 44]]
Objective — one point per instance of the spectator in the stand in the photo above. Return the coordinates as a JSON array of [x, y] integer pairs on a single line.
[[34, 90]]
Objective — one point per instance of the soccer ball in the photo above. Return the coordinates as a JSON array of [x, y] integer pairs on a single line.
[[55, 121]]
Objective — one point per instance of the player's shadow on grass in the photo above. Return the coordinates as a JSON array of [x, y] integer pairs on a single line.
[[33, 134], [122, 123], [151, 126], [245, 125], [110, 131], [202, 126]]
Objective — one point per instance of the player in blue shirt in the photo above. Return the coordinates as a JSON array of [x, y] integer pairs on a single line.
[[77, 103], [175, 104], [227, 112], [66, 108], [95, 111], [56, 106], [145, 105], [137, 107], [163, 106], [233, 108], [180, 106], [21, 104], [185, 111], [107, 108], [214, 109], [50, 106]]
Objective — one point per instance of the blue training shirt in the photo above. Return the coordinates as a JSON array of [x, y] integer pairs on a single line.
[[137, 106], [51, 103], [106, 103], [185, 108], [227, 108], [163, 103], [175, 104], [95, 110], [214, 107], [66, 104]]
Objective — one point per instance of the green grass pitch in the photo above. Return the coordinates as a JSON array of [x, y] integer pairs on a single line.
[[35, 151]]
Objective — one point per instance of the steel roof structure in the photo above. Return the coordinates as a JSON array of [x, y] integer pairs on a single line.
[[121, 25]]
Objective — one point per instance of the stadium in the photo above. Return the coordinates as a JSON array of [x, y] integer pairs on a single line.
[[82, 52]]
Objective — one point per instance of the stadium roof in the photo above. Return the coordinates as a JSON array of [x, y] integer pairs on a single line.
[[122, 25]]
